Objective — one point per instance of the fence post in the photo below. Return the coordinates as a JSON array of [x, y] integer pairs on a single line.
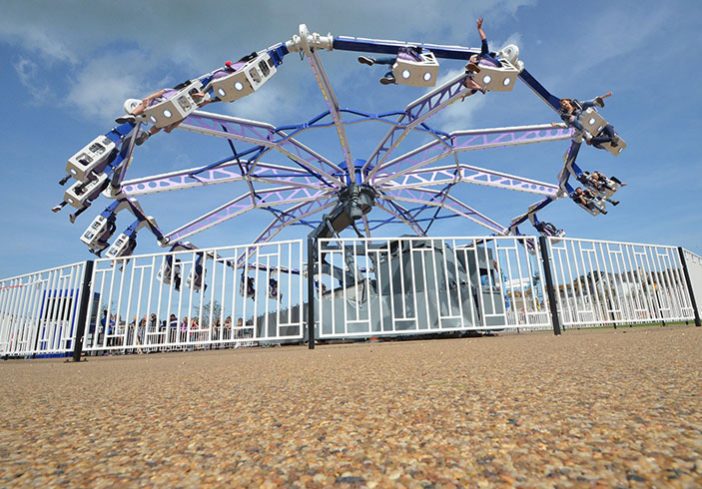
[[311, 258], [548, 282], [698, 323], [83, 312]]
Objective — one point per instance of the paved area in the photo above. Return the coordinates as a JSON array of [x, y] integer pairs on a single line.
[[598, 408]]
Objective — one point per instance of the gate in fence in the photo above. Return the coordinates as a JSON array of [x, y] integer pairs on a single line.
[[240, 295], [408, 286], [610, 283], [39, 311]]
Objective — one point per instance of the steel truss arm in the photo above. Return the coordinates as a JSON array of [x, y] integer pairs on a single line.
[[294, 215], [224, 173], [244, 203], [264, 135], [436, 198], [331, 101], [415, 113], [470, 141], [450, 174], [383, 46]]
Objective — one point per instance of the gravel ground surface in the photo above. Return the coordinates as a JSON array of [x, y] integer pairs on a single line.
[[598, 408]]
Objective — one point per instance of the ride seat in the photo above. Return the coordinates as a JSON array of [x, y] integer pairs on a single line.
[[593, 123], [245, 80], [123, 246], [93, 157], [497, 78], [414, 72], [80, 194], [175, 108]]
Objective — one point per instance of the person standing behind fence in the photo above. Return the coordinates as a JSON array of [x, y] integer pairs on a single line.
[[172, 328]]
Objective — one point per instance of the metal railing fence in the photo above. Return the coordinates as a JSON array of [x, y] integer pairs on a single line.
[[363, 287], [694, 267], [39, 311], [238, 295], [411, 285], [610, 283]]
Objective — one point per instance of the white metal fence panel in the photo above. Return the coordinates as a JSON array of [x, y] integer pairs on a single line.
[[241, 295], [694, 268], [39, 311], [410, 285], [605, 282]]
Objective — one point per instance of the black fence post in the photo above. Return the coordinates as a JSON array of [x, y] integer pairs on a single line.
[[83, 316], [550, 288], [311, 258], [698, 323]]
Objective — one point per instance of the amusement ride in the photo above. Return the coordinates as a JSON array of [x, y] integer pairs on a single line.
[[411, 187]]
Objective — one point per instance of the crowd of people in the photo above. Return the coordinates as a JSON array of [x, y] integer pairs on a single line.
[[150, 330]]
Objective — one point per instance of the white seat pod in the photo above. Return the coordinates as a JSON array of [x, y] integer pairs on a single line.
[[245, 80], [94, 156], [80, 194], [497, 78], [421, 72], [615, 150], [593, 123], [123, 246], [175, 108], [97, 234]]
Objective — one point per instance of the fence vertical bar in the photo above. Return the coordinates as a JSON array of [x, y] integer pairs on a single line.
[[698, 322], [83, 312], [550, 288], [311, 258]]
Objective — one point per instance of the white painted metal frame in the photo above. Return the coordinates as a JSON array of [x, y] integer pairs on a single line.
[[610, 283], [429, 288], [39, 311], [694, 268], [138, 310]]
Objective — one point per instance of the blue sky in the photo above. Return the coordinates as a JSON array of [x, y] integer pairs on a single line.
[[69, 65]]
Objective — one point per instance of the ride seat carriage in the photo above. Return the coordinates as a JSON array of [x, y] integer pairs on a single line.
[[247, 78], [593, 123], [593, 206], [497, 78], [417, 69], [605, 189], [175, 108], [80, 194], [93, 157]]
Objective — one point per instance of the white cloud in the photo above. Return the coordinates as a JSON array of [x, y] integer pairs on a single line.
[[29, 76], [100, 87], [82, 39]]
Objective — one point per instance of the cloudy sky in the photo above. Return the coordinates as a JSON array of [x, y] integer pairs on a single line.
[[69, 65]]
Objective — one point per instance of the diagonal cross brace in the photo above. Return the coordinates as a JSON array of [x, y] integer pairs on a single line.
[[416, 113], [450, 203], [265, 135]]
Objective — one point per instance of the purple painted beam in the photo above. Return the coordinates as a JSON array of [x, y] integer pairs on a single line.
[[470, 141], [243, 204], [225, 173], [428, 177], [434, 198]]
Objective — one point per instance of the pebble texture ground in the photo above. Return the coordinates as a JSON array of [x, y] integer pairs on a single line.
[[600, 408]]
